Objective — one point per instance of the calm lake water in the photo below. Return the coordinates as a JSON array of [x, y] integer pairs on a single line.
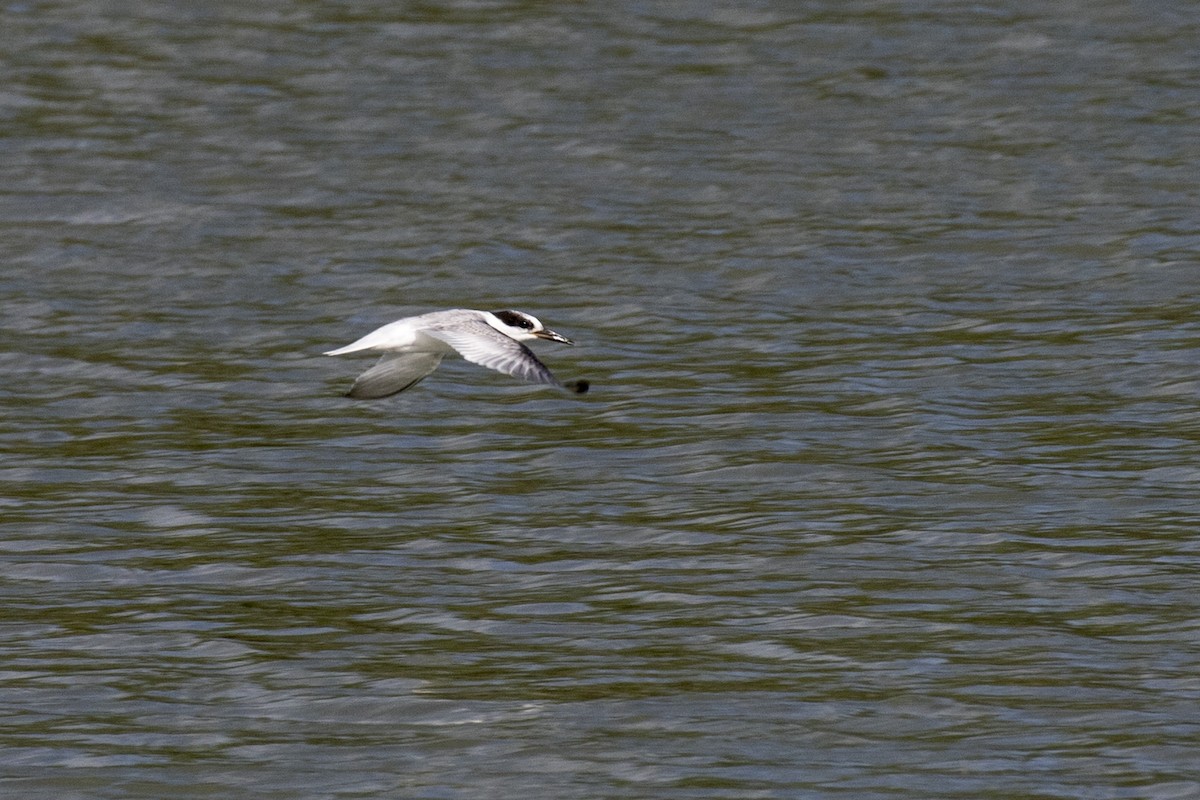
[[886, 486]]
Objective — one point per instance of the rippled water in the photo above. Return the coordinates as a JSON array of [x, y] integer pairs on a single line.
[[885, 487]]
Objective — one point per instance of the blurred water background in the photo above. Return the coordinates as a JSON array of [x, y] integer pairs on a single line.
[[886, 486]]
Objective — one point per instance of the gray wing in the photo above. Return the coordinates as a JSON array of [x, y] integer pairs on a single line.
[[482, 344], [394, 373]]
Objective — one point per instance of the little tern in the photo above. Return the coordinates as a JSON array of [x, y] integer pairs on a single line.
[[413, 347]]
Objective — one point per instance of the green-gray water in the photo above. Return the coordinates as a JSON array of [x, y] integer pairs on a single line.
[[886, 487]]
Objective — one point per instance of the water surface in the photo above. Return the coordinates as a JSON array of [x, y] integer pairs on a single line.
[[885, 486]]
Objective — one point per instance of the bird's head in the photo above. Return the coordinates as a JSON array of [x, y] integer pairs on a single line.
[[519, 325]]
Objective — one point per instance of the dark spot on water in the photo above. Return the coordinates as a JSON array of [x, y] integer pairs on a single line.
[[578, 387]]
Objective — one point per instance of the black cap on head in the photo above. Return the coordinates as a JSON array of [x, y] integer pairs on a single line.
[[514, 318]]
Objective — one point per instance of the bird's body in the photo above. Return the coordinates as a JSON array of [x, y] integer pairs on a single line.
[[413, 347]]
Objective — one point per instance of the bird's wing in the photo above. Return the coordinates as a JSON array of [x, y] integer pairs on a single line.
[[394, 373], [481, 344]]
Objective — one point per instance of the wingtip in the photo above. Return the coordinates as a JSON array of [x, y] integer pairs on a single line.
[[578, 387]]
